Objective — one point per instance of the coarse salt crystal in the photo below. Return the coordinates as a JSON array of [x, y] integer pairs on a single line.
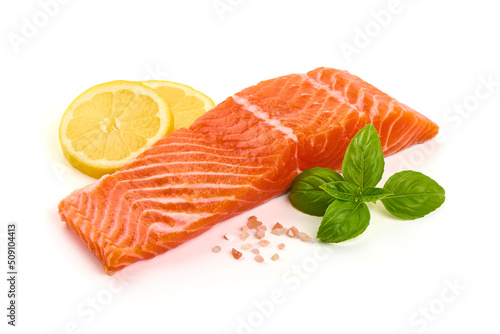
[[277, 225], [304, 237], [292, 232], [277, 231], [216, 249], [264, 243], [246, 246], [281, 246], [255, 251], [275, 257], [244, 235], [228, 237], [259, 258], [253, 222], [260, 234], [236, 254]]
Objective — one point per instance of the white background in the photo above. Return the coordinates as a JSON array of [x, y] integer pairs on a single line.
[[438, 274]]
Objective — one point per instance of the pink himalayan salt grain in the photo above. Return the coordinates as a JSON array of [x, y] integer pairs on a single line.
[[259, 258], [228, 237], [304, 237], [244, 235], [253, 222], [255, 251], [264, 243], [260, 234], [281, 246], [292, 232], [262, 228], [236, 254], [216, 249], [275, 257], [277, 231], [244, 228], [246, 246], [277, 225]]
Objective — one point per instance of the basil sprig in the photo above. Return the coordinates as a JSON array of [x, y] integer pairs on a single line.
[[340, 199]]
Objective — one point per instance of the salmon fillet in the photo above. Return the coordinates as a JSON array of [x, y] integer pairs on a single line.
[[244, 152]]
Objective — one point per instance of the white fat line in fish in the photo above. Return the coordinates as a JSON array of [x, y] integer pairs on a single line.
[[206, 144], [118, 205], [204, 153], [275, 123], [175, 163], [159, 176], [181, 219], [176, 200], [169, 144], [333, 93], [183, 186], [188, 186], [193, 186], [343, 98]]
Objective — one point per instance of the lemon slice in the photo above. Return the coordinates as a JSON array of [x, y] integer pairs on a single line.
[[110, 124], [186, 103]]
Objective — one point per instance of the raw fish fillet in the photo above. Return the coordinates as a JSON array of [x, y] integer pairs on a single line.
[[242, 153]]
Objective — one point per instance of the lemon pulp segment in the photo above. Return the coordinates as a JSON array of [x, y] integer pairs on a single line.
[[185, 102], [111, 123]]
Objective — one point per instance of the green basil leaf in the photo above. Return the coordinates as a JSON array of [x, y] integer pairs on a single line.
[[343, 220], [415, 195], [363, 163], [372, 194], [342, 190], [306, 194]]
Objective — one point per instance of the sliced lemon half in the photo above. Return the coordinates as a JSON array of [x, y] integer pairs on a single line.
[[186, 103], [110, 124]]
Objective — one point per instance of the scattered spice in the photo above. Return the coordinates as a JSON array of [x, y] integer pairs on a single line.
[[216, 249], [236, 254], [281, 246], [275, 257]]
